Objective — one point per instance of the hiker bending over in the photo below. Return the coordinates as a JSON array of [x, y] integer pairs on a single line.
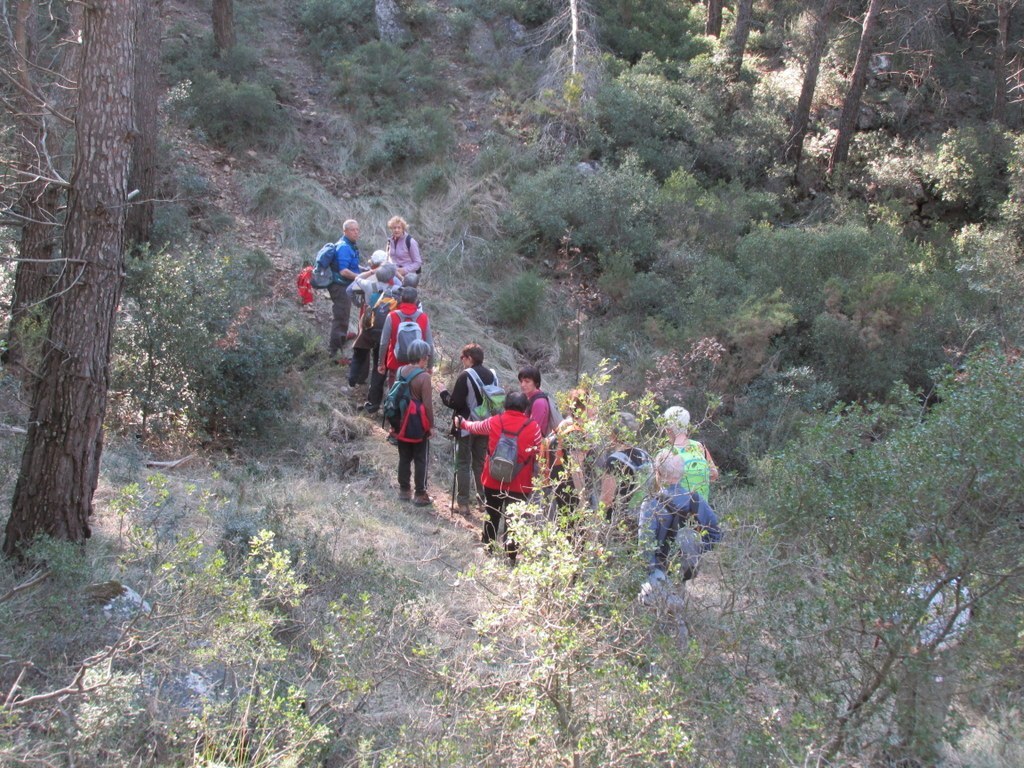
[[467, 394], [372, 313], [676, 522], [507, 478]]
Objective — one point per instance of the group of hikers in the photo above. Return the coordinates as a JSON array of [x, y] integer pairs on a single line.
[[513, 446], [509, 446]]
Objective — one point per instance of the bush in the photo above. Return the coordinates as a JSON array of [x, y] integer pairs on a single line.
[[612, 210], [861, 507], [384, 84], [236, 115], [334, 27], [520, 302], [969, 168], [424, 134], [665, 30], [190, 358]]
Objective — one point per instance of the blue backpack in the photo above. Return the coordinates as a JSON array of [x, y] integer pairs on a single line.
[[322, 275]]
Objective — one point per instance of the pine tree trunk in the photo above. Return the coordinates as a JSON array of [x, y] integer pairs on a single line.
[[38, 197], [851, 104], [802, 113], [740, 34], [223, 25], [139, 227], [713, 25], [60, 464], [1004, 9]]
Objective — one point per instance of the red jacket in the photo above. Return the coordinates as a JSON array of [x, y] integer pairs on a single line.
[[528, 443]]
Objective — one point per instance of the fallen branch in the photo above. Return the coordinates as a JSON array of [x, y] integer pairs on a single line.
[[13, 430], [39, 578], [170, 464]]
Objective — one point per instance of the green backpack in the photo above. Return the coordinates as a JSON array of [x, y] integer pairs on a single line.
[[697, 470]]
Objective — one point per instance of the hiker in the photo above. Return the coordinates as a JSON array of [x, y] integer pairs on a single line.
[[700, 468], [499, 494], [376, 306], [343, 261], [470, 450], [677, 521], [403, 249], [399, 330], [567, 451], [414, 450], [542, 409], [627, 472], [365, 280]]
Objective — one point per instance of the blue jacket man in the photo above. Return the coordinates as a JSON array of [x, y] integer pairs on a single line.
[[344, 264]]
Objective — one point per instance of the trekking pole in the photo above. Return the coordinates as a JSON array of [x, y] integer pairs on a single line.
[[455, 449]]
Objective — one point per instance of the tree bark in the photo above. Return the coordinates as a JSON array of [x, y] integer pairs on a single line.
[[713, 25], [1004, 10], [40, 133], [139, 227], [60, 464], [802, 114], [851, 104], [223, 25], [740, 34]]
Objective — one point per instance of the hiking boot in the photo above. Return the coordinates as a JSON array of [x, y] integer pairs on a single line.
[[422, 500], [404, 494], [461, 509], [343, 361], [371, 408]]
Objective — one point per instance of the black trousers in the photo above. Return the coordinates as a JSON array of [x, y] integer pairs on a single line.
[[412, 464], [496, 524]]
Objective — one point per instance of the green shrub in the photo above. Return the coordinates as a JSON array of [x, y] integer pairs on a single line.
[[425, 134], [190, 358], [690, 117], [519, 302], [666, 30], [969, 168], [857, 510], [383, 84], [432, 180], [612, 210], [236, 115], [334, 27]]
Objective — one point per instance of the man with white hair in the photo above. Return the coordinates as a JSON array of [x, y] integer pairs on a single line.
[[699, 469], [343, 261]]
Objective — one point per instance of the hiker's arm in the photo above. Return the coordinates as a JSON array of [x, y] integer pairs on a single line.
[[608, 488], [712, 467], [709, 522], [414, 255], [474, 427], [460, 393]]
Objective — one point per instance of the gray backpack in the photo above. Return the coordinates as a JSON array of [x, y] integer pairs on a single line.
[[408, 332], [503, 466]]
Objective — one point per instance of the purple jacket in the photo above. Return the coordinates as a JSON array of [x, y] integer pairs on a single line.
[[404, 251]]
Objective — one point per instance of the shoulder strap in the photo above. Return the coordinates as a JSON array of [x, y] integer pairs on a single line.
[[477, 383], [408, 241]]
